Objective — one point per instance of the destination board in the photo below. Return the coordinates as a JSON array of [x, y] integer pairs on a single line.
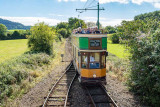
[[95, 43]]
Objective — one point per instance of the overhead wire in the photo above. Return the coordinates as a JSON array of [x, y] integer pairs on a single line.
[[84, 7], [91, 3]]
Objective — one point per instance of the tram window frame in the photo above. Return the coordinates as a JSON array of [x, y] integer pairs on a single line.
[[87, 64], [95, 61], [103, 54]]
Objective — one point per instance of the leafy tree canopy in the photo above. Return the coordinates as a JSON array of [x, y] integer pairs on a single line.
[[3, 31], [75, 23], [62, 25], [41, 39], [110, 29]]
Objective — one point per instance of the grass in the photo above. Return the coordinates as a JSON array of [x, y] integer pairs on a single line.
[[117, 67], [15, 30], [117, 49], [12, 48], [21, 73]]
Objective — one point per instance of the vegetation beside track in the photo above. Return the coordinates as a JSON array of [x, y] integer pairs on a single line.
[[117, 67], [21, 73]]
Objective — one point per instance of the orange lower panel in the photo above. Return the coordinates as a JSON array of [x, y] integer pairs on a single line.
[[90, 72]]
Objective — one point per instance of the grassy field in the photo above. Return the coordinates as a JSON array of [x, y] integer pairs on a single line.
[[12, 48], [15, 30], [117, 49]]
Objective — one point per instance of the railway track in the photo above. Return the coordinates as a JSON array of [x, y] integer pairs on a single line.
[[98, 96], [58, 95]]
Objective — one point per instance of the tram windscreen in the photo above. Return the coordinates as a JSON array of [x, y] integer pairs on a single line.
[[94, 60]]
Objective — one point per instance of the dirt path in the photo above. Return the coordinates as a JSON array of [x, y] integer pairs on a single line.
[[35, 97], [121, 94]]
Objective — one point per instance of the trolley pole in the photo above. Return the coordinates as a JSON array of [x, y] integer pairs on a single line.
[[98, 9]]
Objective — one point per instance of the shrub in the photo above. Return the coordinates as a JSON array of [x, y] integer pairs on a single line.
[[115, 38], [63, 32], [15, 71], [3, 32], [145, 75], [41, 39]]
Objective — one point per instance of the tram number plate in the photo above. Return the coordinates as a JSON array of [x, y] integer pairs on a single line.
[[94, 43]]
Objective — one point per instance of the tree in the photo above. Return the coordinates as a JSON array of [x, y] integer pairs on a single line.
[[62, 25], [110, 29], [91, 24], [75, 23], [3, 32], [63, 32], [16, 35], [41, 39]]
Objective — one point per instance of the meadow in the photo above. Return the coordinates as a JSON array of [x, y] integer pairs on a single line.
[[12, 48], [117, 49]]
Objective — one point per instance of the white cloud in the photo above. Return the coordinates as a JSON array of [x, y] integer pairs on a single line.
[[32, 20], [109, 1], [155, 3], [105, 21], [113, 22], [93, 18]]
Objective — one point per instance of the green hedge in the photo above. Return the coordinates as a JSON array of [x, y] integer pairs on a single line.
[[115, 38], [145, 75]]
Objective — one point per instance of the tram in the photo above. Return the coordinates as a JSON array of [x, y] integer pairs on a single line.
[[89, 53]]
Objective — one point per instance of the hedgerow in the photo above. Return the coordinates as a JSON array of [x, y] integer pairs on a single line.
[[145, 74], [13, 72]]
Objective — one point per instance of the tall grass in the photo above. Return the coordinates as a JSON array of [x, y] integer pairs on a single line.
[[19, 74], [117, 67], [15, 71]]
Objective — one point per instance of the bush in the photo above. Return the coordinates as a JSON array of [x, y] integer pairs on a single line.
[[13, 72], [63, 32], [41, 39], [145, 75], [115, 38], [3, 32]]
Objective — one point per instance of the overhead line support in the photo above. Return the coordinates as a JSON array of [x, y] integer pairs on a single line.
[[98, 9]]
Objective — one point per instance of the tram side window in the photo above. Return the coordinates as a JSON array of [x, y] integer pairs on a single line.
[[84, 61], [94, 60]]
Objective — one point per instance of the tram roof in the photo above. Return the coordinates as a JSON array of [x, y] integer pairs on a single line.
[[90, 35]]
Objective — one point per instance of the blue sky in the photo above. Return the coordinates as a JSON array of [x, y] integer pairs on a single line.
[[29, 12]]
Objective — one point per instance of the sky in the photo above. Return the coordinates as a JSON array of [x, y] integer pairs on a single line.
[[29, 12]]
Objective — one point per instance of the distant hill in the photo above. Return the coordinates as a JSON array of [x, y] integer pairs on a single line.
[[150, 15], [13, 25]]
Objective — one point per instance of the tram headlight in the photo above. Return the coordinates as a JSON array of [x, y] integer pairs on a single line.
[[94, 75]]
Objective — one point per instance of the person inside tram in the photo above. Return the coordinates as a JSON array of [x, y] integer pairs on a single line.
[[96, 31], [88, 31], [91, 59], [83, 31], [85, 60]]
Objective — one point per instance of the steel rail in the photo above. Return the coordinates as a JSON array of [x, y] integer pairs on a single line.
[[105, 92], [113, 102], [90, 97], [45, 102], [65, 104]]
